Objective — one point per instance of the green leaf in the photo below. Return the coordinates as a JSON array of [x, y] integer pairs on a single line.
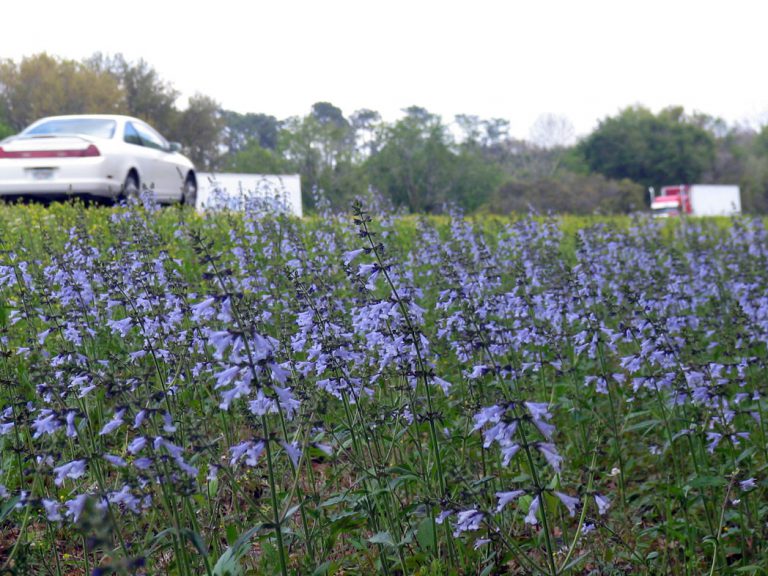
[[228, 563], [290, 512], [325, 569], [746, 454], [645, 425], [425, 534], [8, 507], [196, 540], [707, 482], [383, 538], [752, 569], [231, 534]]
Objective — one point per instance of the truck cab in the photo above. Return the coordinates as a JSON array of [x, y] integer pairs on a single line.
[[671, 201]]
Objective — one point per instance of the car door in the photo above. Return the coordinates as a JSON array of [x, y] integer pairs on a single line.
[[142, 157], [164, 172]]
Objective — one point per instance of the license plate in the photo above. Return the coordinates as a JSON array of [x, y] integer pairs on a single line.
[[42, 173]]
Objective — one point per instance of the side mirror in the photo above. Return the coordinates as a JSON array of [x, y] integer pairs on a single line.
[[174, 147]]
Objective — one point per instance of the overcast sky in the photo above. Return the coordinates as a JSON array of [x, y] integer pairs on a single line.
[[513, 59]]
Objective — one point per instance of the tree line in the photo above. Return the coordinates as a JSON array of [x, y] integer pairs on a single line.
[[418, 162]]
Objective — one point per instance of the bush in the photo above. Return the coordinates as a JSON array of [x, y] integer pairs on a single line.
[[570, 193]]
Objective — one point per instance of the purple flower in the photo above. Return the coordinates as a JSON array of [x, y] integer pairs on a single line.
[[530, 518], [539, 413], [507, 497], [467, 521], [125, 499], [551, 455], [508, 452], [262, 405], [143, 463], [52, 510], [443, 515], [714, 439], [288, 403], [568, 501], [249, 449], [115, 460], [203, 310], [113, 424], [602, 504], [73, 470], [137, 444], [46, 423], [121, 327], [168, 425], [747, 485], [478, 371], [351, 255], [491, 414], [75, 506], [293, 451], [446, 386]]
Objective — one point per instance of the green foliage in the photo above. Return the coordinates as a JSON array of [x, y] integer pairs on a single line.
[[652, 150], [320, 147], [5, 131], [43, 85], [243, 130], [414, 167], [200, 129], [254, 159], [418, 169], [147, 96], [570, 193]]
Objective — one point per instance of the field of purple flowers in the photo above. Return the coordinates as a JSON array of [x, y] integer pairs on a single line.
[[371, 393]]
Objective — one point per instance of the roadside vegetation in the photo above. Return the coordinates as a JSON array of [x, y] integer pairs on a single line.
[[374, 392]]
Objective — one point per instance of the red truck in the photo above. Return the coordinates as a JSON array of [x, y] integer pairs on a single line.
[[696, 200]]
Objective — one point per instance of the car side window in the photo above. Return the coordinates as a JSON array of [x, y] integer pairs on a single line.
[[150, 138], [131, 135]]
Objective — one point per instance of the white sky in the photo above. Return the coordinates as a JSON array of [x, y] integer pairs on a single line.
[[513, 59]]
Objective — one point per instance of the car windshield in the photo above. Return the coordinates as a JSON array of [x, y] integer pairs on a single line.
[[100, 127]]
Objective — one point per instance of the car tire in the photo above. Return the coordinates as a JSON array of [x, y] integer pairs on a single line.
[[189, 193], [130, 188]]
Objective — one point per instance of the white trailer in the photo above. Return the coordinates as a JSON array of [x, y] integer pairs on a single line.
[[715, 200]]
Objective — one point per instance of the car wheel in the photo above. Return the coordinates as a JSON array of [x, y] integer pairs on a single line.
[[189, 194], [130, 188]]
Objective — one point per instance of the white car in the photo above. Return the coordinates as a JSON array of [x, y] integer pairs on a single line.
[[108, 156]]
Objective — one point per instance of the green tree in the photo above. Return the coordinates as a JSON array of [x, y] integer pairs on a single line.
[[569, 193], [255, 159], [414, 166], [321, 147], [200, 129], [5, 130], [420, 167], [366, 128], [650, 149], [43, 85], [147, 96], [242, 130]]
